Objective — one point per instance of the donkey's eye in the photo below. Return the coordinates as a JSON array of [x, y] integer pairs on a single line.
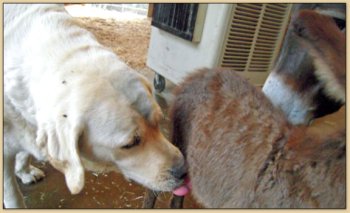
[[136, 141], [340, 23]]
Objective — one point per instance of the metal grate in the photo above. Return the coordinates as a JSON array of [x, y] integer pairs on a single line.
[[178, 19], [254, 36]]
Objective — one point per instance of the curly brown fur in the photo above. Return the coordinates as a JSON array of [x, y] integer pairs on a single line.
[[242, 153]]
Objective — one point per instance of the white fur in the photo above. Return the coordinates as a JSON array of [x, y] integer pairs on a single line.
[[68, 98], [293, 105], [332, 87]]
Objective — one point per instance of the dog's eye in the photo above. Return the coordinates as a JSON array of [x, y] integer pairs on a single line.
[[136, 141]]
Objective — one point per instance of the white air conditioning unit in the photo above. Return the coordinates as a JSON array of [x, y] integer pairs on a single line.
[[245, 37]]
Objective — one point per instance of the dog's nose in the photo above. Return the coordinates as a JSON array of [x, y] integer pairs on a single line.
[[179, 171]]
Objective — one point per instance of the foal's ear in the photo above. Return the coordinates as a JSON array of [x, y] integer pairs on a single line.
[[62, 151]]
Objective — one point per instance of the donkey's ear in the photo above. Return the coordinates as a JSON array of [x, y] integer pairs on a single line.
[[61, 148]]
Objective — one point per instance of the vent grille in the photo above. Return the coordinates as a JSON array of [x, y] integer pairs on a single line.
[[178, 19], [254, 36]]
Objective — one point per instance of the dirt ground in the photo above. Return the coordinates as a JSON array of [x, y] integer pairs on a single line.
[[129, 40]]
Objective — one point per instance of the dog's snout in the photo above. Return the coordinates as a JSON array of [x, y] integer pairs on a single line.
[[179, 172]]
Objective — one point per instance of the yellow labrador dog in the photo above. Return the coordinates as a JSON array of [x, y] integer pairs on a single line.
[[74, 103]]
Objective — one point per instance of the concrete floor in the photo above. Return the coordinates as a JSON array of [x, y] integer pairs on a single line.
[[105, 191]]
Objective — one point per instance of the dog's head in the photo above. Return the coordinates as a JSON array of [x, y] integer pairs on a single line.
[[112, 123]]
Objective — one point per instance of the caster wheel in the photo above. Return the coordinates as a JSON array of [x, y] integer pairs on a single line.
[[159, 83]]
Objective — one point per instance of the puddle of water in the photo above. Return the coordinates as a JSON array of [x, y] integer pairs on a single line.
[[101, 191]]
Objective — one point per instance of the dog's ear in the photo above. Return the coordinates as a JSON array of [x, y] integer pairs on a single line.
[[60, 143], [139, 93]]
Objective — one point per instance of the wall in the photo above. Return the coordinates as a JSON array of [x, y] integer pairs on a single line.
[[174, 57]]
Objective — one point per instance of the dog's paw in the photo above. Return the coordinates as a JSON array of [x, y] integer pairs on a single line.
[[33, 175]]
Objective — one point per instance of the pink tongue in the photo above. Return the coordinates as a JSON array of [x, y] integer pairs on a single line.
[[183, 189]]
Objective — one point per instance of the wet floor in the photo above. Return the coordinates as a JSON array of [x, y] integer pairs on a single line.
[[104, 190]]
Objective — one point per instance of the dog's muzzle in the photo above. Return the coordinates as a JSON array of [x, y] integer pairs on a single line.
[[179, 171]]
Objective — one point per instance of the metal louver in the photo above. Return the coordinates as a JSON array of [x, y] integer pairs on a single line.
[[253, 38], [183, 20]]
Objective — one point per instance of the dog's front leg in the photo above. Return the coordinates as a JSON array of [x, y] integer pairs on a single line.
[[177, 202], [150, 199], [25, 171], [13, 197]]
